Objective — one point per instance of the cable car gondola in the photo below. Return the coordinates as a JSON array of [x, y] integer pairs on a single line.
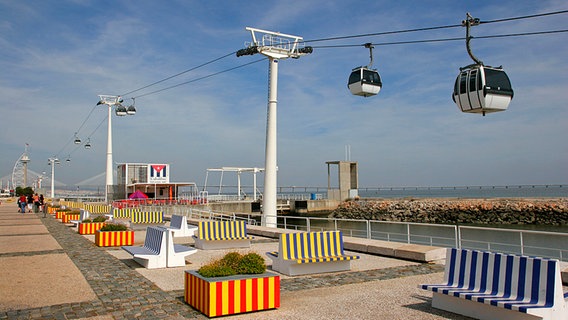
[[365, 81], [479, 88], [482, 89]]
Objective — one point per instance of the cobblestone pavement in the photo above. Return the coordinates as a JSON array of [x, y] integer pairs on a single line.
[[124, 293]]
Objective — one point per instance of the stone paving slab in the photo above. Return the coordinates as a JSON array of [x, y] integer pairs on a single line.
[[24, 229], [42, 271], [28, 243]]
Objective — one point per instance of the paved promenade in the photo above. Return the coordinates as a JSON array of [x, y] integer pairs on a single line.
[[49, 271]]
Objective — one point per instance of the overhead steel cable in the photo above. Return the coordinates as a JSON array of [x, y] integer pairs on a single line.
[[200, 78], [443, 39], [179, 74], [525, 17], [432, 28]]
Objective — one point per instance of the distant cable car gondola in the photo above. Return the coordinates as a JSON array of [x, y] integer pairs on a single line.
[[365, 81], [478, 88]]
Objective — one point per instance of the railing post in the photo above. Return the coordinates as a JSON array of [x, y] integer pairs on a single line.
[[522, 243], [456, 237], [408, 233], [308, 224], [459, 240], [369, 236]]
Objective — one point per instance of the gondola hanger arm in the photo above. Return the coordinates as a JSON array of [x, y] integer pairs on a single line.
[[468, 23]]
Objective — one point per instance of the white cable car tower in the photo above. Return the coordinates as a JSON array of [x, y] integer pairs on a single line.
[[275, 46]]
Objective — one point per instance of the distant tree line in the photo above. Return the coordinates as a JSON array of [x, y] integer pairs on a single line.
[[24, 191]]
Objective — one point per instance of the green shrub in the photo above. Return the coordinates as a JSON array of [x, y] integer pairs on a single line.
[[114, 227], [100, 219], [234, 263], [87, 220], [251, 263]]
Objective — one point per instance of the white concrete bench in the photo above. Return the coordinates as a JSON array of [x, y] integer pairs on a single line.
[[83, 214], [176, 253], [490, 285], [153, 254], [180, 228], [310, 252]]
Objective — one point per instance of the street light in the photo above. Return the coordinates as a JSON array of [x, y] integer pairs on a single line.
[[52, 162], [111, 101], [276, 46]]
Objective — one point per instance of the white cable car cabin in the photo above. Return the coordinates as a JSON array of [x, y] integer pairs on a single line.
[[364, 82], [482, 89]]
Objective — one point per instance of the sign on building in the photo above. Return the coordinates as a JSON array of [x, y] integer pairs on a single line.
[[158, 173]]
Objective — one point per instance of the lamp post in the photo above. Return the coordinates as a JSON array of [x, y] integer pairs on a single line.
[[121, 110], [276, 46], [52, 162]]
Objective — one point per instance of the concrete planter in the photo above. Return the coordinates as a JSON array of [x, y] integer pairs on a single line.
[[60, 214], [114, 238], [68, 217], [232, 295], [89, 227]]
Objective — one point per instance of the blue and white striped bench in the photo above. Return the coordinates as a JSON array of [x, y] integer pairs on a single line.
[[490, 285], [180, 228], [153, 254], [310, 252]]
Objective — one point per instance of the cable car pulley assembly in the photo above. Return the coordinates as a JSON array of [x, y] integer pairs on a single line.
[[365, 81], [479, 88]]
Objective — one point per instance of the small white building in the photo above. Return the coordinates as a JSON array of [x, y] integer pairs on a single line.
[[153, 180]]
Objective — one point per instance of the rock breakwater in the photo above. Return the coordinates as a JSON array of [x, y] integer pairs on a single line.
[[453, 211]]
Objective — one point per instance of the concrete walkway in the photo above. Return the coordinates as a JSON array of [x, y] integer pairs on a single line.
[[49, 271]]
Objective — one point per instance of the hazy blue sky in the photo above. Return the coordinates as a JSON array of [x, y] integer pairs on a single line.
[[57, 56]]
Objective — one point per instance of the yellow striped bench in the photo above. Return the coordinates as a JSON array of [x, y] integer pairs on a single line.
[[124, 213], [310, 252], [147, 217], [222, 235]]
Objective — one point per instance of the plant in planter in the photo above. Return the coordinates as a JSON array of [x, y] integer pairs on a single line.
[[88, 226], [114, 234], [233, 284]]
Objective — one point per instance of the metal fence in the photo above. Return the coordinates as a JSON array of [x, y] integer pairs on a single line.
[[525, 242]]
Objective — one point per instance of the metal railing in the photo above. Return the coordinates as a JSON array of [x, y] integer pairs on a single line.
[[525, 242]]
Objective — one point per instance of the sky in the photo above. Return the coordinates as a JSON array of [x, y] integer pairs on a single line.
[[56, 57]]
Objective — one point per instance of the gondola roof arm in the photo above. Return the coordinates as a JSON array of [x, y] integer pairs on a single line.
[[468, 23]]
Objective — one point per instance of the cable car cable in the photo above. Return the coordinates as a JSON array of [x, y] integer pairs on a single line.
[[198, 79], [443, 39], [432, 28], [180, 73]]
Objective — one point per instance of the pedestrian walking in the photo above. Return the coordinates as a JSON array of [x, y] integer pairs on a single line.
[[22, 202], [36, 203], [42, 207], [30, 202]]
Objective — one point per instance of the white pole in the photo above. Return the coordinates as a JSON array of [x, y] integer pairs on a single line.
[[254, 185], [52, 180], [269, 197], [109, 178]]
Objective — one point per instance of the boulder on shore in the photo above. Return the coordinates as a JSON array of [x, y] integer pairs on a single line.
[[452, 211]]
